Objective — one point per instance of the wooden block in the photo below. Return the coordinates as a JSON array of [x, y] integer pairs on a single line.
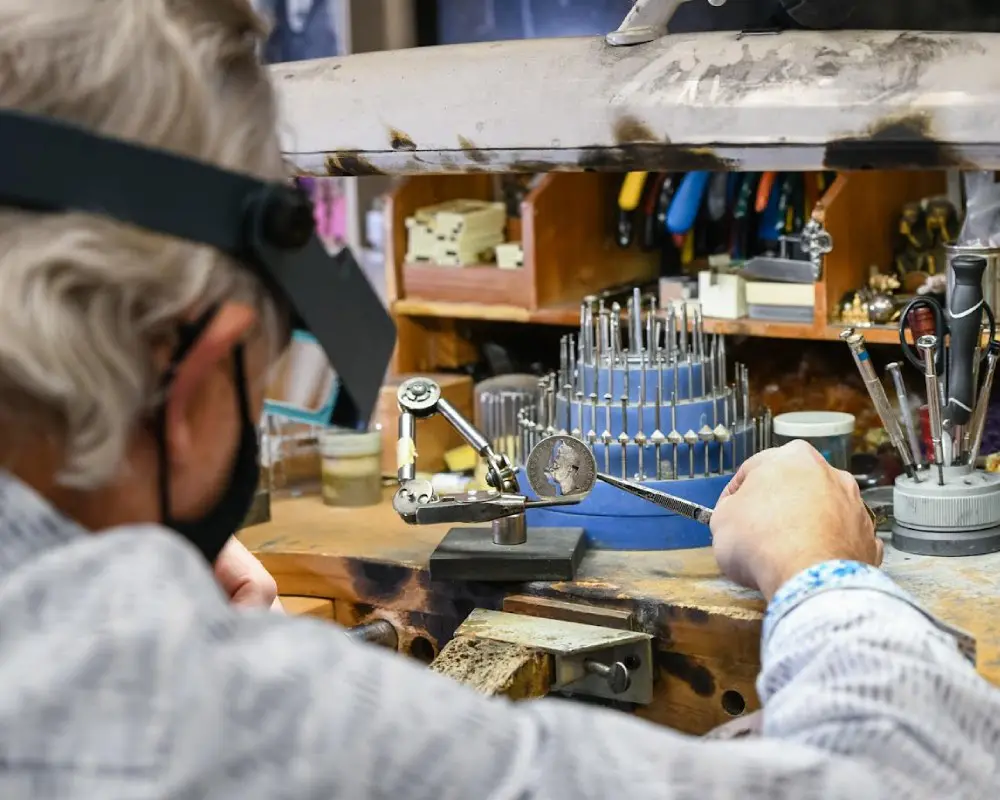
[[549, 608], [308, 607], [435, 436], [496, 668]]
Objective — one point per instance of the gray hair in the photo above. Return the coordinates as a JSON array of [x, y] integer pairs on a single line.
[[85, 301]]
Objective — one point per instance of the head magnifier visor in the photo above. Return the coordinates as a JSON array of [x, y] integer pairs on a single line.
[[51, 167]]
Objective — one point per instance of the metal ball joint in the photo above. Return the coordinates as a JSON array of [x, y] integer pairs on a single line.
[[283, 216]]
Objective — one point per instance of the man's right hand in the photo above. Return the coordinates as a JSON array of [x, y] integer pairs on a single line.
[[787, 510]]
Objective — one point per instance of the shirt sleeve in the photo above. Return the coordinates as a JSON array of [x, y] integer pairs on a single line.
[[865, 698]]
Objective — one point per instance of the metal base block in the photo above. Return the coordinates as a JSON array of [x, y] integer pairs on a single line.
[[949, 543], [468, 554]]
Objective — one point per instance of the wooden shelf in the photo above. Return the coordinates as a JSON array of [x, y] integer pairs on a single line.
[[568, 315], [883, 334]]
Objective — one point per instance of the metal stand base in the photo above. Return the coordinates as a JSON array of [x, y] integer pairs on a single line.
[[469, 554], [959, 518], [950, 543]]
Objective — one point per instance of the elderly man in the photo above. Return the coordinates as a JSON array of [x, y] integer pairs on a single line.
[[131, 370]]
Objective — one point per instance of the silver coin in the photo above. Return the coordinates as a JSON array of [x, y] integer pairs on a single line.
[[561, 466]]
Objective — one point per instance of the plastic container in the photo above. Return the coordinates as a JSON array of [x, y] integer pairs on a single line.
[[352, 468], [830, 432]]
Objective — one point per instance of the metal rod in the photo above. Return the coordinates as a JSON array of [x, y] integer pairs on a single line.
[[978, 424], [636, 334], [623, 437], [928, 348], [895, 371]]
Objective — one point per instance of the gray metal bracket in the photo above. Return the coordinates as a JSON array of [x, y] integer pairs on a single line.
[[586, 658]]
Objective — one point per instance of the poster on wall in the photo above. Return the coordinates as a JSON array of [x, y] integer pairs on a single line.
[[300, 30], [494, 20]]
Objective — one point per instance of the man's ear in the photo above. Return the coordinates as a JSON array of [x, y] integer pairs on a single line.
[[228, 327]]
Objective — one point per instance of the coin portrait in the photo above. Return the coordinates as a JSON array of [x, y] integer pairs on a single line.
[[561, 466]]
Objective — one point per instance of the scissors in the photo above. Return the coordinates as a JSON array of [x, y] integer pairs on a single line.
[[680, 506]]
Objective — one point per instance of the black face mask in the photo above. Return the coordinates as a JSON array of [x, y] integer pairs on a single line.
[[212, 530]]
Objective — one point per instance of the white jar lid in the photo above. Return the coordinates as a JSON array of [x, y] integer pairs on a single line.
[[350, 444], [813, 424]]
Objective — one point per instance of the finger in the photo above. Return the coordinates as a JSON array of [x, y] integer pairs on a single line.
[[879, 552], [748, 466]]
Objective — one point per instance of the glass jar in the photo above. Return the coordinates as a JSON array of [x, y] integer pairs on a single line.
[[352, 468], [830, 432]]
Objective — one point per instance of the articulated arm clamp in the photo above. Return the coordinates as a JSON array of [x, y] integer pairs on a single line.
[[416, 501]]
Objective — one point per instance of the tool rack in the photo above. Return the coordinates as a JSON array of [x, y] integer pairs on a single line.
[[863, 104]]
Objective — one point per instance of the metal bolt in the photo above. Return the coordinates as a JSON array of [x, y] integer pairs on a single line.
[[616, 676]]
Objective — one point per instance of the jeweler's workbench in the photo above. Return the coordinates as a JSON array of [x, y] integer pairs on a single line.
[[706, 630]]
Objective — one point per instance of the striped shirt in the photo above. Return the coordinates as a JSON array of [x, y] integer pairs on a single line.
[[124, 673]]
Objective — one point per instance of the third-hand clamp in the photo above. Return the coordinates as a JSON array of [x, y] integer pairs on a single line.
[[507, 551]]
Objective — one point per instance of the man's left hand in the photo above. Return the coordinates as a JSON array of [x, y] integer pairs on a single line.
[[244, 579]]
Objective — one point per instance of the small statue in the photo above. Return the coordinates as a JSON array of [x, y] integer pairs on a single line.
[[943, 227], [913, 242], [853, 311]]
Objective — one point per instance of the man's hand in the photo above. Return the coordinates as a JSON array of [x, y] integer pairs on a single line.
[[787, 510], [244, 579]]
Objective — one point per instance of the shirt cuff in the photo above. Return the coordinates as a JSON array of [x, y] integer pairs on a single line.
[[848, 575]]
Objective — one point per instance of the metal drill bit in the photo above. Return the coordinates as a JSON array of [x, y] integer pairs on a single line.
[[636, 333], [640, 437], [732, 445], [753, 436], [606, 437], [768, 429], [723, 380], [626, 374], [651, 329], [684, 330], [896, 373], [658, 438], [739, 414], [691, 439], [640, 441], [699, 334], [746, 392], [706, 434], [573, 367], [578, 428], [927, 345], [550, 390], [674, 437], [592, 432], [671, 334], [563, 360], [721, 433], [713, 372], [616, 331], [978, 424], [623, 437], [568, 417]]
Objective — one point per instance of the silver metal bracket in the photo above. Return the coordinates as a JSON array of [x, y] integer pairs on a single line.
[[647, 21], [817, 242], [588, 660]]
